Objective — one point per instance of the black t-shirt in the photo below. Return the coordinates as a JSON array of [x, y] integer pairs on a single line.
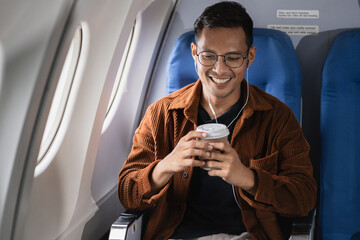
[[211, 207]]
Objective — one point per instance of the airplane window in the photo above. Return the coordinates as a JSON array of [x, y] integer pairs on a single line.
[[62, 91], [119, 74], [120, 71]]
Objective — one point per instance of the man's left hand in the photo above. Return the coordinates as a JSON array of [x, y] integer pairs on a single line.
[[225, 163]]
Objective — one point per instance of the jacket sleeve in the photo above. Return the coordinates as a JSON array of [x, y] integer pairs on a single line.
[[134, 186], [285, 182]]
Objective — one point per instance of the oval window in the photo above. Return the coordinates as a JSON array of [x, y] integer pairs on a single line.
[[120, 72], [114, 97], [62, 92]]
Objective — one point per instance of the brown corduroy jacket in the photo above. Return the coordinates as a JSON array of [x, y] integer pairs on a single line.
[[268, 139]]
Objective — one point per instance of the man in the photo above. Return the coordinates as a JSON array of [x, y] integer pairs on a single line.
[[259, 178]]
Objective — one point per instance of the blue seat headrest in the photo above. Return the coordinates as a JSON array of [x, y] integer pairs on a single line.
[[180, 69], [276, 69]]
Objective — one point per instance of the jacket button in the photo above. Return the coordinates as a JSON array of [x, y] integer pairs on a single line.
[[185, 174]]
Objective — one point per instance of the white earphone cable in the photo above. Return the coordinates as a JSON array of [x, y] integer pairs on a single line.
[[247, 97], [246, 101]]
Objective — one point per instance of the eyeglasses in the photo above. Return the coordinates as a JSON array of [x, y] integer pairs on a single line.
[[232, 60]]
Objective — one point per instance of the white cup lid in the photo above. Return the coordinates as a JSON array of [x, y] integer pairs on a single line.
[[214, 130]]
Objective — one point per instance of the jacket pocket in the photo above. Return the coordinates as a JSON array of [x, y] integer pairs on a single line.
[[268, 163]]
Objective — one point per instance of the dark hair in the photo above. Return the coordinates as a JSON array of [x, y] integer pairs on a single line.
[[225, 14]]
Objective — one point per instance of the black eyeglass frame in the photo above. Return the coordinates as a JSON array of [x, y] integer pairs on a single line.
[[224, 58]]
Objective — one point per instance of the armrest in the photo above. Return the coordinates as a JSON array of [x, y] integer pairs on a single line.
[[303, 228], [127, 226]]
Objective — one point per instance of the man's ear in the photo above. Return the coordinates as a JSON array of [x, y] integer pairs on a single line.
[[251, 55], [193, 51]]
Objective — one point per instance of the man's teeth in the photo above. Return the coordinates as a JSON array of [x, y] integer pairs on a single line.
[[222, 80]]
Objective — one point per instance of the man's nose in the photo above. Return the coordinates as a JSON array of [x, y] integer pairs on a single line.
[[220, 66]]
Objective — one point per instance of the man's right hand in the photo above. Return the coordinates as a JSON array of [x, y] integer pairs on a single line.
[[185, 154]]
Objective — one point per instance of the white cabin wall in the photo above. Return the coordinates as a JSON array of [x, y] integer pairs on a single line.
[[117, 134], [73, 191], [122, 119], [61, 201], [25, 49]]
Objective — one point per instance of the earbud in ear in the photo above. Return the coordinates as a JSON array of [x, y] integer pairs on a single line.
[[248, 63]]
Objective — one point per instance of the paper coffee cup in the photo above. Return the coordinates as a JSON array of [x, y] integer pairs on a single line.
[[216, 132]]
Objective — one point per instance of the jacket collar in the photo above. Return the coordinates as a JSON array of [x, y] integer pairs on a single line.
[[257, 100], [189, 97]]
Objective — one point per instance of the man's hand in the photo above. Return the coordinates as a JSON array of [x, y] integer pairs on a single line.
[[186, 154], [225, 163]]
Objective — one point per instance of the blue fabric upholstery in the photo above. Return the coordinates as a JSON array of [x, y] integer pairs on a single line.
[[180, 69], [276, 68], [339, 213]]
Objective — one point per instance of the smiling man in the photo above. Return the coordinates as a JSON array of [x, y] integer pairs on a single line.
[[257, 180]]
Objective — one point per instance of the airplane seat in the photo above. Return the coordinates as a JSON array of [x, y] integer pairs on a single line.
[[276, 70], [180, 69], [339, 210]]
